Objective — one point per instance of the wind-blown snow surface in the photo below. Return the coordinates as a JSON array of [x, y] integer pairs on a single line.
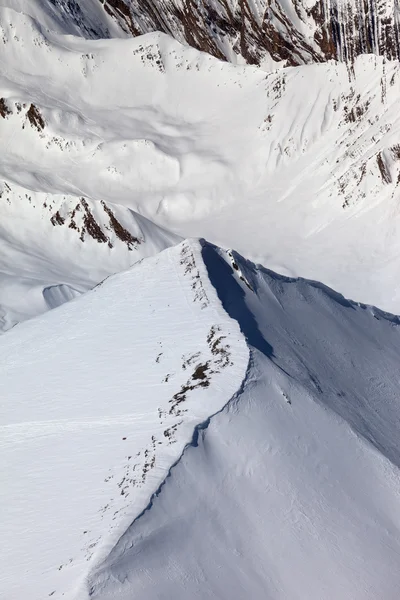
[[298, 168], [293, 490], [101, 396]]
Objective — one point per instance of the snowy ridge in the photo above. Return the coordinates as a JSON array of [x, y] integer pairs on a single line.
[[198, 426], [106, 572], [122, 375], [303, 461], [193, 427]]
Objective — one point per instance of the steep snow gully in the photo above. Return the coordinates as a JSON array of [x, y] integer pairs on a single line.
[[302, 461]]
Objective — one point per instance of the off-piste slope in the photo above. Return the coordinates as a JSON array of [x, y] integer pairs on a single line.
[[297, 168], [293, 490], [100, 396]]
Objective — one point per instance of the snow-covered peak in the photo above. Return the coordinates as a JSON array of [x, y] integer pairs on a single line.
[[196, 425], [292, 491], [193, 427], [103, 394]]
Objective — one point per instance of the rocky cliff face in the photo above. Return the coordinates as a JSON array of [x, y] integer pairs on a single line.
[[294, 31], [251, 31]]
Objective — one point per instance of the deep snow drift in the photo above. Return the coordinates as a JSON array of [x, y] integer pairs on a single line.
[[290, 491], [298, 168]]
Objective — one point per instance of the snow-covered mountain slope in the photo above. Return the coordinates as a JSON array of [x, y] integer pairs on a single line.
[[55, 246], [101, 396], [258, 31], [199, 427], [293, 490], [86, 18], [252, 31], [298, 168]]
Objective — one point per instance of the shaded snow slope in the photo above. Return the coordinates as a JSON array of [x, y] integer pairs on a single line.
[[293, 490], [298, 168], [100, 396]]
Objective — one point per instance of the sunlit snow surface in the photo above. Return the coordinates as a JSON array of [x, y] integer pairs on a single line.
[[101, 396], [298, 169], [286, 396], [293, 490], [196, 426]]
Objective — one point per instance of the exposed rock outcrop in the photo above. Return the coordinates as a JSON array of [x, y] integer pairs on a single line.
[[297, 32]]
